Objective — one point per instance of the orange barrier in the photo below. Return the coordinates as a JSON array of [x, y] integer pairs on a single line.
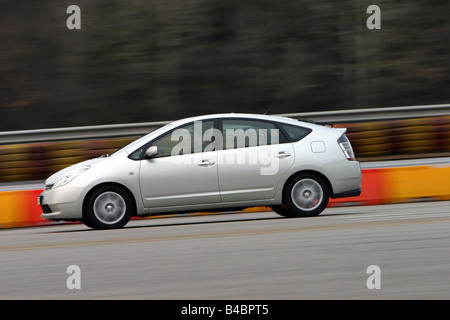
[[20, 209], [372, 190], [33, 211], [379, 186], [417, 183], [402, 184]]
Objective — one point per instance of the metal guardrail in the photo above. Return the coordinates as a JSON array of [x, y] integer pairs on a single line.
[[138, 129], [79, 133], [375, 114], [413, 134]]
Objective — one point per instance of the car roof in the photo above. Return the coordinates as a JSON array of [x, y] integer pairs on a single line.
[[238, 115], [180, 122]]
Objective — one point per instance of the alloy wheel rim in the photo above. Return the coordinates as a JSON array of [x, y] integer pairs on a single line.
[[307, 194], [109, 207]]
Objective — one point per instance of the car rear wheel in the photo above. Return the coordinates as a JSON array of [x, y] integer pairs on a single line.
[[306, 195], [108, 207], [282, 211]]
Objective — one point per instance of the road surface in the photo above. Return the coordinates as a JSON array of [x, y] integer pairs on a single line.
[[238, 256]]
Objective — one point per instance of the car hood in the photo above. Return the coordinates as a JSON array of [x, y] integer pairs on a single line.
[[56, 176]]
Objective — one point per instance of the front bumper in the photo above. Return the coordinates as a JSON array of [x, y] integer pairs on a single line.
[[62, 203]]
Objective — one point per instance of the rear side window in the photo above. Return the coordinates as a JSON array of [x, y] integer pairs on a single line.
[[294, 133], [243, 133]]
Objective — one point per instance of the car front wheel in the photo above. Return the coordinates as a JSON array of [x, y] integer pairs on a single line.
[[108, 207]]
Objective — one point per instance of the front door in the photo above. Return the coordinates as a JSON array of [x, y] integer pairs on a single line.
[[184, 172]]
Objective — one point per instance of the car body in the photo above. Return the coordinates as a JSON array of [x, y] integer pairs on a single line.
[[211, 162]]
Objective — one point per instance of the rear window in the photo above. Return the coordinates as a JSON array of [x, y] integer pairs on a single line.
[[294, 133]]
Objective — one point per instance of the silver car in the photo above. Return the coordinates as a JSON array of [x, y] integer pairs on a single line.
[[213, 162]]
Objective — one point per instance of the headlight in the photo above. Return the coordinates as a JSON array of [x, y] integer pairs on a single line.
[[65, 179]]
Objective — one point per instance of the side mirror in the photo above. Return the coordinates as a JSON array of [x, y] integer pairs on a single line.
[[151, 152]]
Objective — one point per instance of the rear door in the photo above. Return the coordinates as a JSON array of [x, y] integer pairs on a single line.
[[254, 157]]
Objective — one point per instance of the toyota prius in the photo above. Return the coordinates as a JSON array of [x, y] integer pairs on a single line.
[[213, 162]]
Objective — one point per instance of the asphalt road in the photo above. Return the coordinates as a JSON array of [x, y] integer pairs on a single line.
[[238, 256]]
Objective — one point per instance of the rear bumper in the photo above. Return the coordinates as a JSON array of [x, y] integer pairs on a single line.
[[351, 193], [345, 178]]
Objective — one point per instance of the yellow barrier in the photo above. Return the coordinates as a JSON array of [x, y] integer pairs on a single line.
[[415, 183], [12, 211], [380, 186]]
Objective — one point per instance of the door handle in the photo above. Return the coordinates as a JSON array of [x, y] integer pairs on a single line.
[[206, 163], [282, 155]]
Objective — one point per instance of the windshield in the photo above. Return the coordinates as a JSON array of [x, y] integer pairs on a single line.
[[137, 143]]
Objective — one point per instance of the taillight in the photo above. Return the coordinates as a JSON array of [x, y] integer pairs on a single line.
[[346, 147]]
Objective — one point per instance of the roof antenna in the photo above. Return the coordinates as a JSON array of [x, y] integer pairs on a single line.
[[270, 107]]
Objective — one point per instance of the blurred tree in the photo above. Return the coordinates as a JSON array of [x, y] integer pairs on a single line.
[[148, 60]]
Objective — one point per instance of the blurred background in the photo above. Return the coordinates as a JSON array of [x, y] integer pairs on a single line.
[[154, 60], [146, 60]]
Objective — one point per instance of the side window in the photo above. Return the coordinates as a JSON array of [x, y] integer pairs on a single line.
[[241, 133], [295, 133], [185, 140], [136, 155]]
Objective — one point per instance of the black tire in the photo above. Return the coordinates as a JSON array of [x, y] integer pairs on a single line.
[[306, 195], [108, 207], [282, 211], [87, 223]]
